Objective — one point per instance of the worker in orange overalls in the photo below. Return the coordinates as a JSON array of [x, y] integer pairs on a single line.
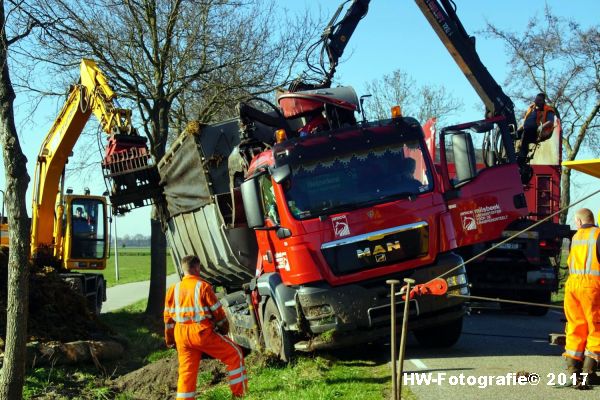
[[582, 299], [538, 123], [195, 322]]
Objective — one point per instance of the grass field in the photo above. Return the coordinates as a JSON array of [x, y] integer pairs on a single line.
[[134, 266], [353, 373]]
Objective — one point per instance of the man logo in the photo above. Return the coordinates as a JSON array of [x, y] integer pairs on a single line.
[[379, 251]]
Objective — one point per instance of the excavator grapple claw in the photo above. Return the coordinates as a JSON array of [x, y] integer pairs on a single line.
[[133, 178]]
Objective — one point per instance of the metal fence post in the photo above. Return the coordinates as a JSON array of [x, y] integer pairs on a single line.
[[393, 283]]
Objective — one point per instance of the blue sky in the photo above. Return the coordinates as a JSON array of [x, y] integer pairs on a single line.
[[393, 35]]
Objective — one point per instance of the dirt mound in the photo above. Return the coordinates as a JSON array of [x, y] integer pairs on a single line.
[[55, 311], [158, 380]]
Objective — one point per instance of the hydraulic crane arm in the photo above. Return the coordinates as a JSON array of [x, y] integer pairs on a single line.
[[334, 39], [442, 17], [336, 35]]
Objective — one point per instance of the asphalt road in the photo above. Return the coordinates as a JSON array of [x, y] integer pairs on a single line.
[[500, 346], [123, 295]]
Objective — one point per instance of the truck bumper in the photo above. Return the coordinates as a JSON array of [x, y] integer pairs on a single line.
[[506, 279], [338, 316]]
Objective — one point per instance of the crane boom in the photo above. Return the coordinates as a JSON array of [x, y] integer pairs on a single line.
[[442, 17]]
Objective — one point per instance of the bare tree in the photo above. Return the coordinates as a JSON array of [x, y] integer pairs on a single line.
[[17, 179], [173, 58], [558, 57], [420, 102]]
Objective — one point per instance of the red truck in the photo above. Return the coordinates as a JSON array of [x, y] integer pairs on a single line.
[[302, 213]]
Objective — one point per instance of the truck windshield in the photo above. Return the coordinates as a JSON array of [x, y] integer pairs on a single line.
[[359, 179]]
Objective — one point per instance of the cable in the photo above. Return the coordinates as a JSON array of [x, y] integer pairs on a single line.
[[526, 303]]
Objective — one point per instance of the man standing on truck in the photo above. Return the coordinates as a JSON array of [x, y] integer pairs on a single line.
[[538, 123], [582, 299], [195, 322]]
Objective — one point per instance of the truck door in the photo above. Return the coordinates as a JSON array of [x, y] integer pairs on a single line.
[[483, 189], [271, 215]]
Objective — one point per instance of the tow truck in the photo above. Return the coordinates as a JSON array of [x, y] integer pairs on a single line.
[[527, 268]]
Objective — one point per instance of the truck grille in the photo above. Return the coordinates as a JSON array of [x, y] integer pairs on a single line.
[[377, 249]]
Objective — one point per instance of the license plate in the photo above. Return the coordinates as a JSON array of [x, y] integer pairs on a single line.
[[509, 246]]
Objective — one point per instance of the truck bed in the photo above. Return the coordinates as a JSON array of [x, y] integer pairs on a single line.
[[203, 217]]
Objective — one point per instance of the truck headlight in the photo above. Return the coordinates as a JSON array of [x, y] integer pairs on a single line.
[[320, 311]]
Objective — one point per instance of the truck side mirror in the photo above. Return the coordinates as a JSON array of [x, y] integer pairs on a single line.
[[255, 215], [464, 156], [280, 174]]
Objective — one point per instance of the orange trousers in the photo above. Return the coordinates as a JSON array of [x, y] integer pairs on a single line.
[[191, 343], [582, 309]]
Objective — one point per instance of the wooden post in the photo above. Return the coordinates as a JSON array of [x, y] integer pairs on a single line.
[[408, 282]]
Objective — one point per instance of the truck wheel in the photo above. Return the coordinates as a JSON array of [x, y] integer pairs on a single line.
[[277, 340], [444, 335], [542, 298]]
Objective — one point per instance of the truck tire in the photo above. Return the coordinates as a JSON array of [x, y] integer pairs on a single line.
[[278, 341], [438, 336]]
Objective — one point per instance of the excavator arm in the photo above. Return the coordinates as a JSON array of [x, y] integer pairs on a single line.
[[127, 162]]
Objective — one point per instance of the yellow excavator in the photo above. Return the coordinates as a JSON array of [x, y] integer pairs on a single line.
[[70, 231]]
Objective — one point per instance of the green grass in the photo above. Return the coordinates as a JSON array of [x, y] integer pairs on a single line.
[[353, 373], [316, 377], [134, 266]]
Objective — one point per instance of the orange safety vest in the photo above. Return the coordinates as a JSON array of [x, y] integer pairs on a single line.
[[192, 301], [541, 116], [583, 259]]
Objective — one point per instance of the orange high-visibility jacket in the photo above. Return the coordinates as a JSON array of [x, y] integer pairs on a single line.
[[583, 258], [192, 301], [541, 117]]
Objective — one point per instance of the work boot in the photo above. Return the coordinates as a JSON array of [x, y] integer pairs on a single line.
[[589, 368], [573, 367]]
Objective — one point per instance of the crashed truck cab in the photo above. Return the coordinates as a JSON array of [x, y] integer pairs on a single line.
[[334, 228]]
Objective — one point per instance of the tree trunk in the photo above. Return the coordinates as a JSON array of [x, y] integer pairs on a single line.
[[158, 241], [158, 268], [565, 193], [15, 166]]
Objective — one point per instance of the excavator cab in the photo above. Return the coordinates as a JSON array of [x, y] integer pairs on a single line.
[[86, 234]]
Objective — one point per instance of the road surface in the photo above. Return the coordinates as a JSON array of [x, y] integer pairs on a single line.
[[498, 346], [123, 295]]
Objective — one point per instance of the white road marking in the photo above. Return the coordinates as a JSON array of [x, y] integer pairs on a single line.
[[418, 363], [539, 341]]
